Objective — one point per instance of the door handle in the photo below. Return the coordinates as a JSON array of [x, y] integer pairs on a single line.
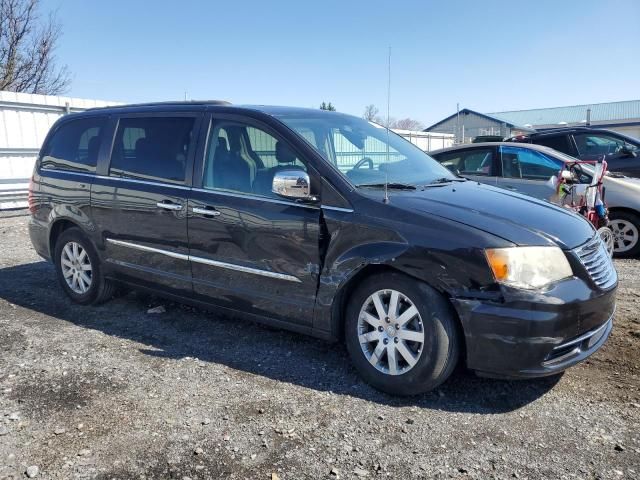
[[168, 205], [210, 211], [510, 187]]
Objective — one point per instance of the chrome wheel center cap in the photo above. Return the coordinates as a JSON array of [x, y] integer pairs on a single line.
[[391, 330]]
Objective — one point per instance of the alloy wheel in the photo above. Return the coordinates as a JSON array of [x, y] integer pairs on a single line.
[[625, 235], [606, 235], [390, 332], [76, 267]]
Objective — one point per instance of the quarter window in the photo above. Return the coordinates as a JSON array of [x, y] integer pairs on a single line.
[[74, 145], [154, 148], [243, 158], [526, 163]]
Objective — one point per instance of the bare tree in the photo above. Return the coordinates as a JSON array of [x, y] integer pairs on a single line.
[[27, 50], [407, 124], [370, 113]]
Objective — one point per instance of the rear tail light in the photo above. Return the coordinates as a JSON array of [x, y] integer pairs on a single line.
[[30, 200]]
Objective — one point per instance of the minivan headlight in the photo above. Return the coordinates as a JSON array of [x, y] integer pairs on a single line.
[[528, 267]]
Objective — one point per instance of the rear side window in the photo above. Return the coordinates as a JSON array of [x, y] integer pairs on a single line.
[[558, 142], [152, 148], [74, 145]]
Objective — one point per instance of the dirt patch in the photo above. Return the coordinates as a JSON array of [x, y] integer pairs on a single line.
[[113, 392]]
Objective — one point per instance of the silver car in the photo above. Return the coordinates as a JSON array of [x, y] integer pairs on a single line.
[[527, 168]]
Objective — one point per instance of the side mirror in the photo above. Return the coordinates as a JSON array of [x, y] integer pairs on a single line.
[[292, 184], [567, 176]]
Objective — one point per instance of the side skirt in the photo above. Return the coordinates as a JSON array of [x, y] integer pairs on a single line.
[[229, 312]]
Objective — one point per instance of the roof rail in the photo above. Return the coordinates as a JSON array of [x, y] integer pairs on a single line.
[[567, 128], [156, 104]]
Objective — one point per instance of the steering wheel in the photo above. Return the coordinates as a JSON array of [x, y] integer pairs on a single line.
[[576, 172], [362, 162]]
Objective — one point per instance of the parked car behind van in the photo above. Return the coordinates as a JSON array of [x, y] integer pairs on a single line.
[[621, 152], [526, 168], [325, 224]]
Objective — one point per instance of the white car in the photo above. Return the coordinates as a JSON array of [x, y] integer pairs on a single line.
[[526, 168]]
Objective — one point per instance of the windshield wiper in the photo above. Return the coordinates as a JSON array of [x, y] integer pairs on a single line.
[[394, 185], [445, 180]]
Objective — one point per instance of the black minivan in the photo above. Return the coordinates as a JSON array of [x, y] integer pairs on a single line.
[[326, 224]]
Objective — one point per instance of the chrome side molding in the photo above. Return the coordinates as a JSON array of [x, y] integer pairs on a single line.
[[206, 261]]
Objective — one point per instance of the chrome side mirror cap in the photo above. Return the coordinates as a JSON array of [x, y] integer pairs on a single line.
[[292, 184]]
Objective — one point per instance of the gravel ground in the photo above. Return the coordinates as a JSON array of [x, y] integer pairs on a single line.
[[112, 392]]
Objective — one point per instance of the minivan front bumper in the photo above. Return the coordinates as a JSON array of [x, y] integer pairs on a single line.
[[532, 334]]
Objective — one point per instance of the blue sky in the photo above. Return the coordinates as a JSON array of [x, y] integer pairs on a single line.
[[488, 56]]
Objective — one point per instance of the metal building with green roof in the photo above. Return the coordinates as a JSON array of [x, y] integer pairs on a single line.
[[623, 117]]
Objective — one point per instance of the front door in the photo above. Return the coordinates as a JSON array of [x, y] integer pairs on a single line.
[[140, 202], [250, 249]]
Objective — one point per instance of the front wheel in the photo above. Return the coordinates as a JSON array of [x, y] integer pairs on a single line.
[[626, 233], [606, 235], [401, 334]]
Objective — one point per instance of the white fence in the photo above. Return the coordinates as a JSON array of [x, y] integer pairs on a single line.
[[427, 141], [25, 120]]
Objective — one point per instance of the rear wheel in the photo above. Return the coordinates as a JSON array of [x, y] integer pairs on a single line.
[[401, 334], [626, 233], [78, 269]]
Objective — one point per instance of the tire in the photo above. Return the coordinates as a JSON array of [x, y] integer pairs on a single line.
[[433, 360], [97, 289], [626, 232]]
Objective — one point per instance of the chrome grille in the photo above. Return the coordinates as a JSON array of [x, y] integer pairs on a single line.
[[595, 259]]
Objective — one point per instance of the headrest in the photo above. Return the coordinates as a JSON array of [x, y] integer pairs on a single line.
[[284, 154], [143, 149], [93, 147], [222, 143], [94, 142], [141, 143]]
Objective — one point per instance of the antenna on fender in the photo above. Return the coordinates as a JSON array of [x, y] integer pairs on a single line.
[[386, 170]]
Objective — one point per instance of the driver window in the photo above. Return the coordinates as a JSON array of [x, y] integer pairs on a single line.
[[597, 144], [525, 163], [243, 158]]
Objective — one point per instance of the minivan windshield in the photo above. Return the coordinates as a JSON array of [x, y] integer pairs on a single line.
[[365, 152]]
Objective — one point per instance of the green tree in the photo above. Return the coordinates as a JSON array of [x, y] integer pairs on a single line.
[[327, 106]]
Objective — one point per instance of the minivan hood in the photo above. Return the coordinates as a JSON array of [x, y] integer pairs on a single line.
[[517, 218]]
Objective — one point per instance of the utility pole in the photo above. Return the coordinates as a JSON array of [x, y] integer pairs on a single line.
[[457, 122]]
